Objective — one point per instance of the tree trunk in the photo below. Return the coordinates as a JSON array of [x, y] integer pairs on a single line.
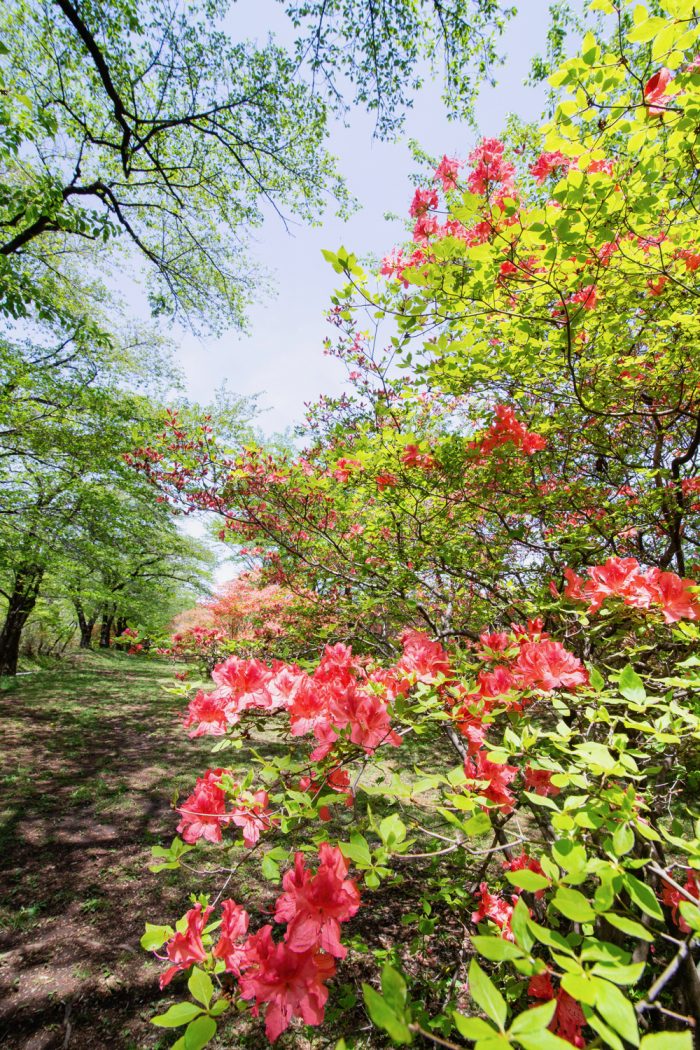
[[106, 629], [85, 624], [122, 625], [21, 602]]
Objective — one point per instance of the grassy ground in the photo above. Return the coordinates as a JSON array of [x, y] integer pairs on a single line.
[[92, 754]]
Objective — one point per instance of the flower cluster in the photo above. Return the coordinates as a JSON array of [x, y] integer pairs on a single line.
[[673, 895], [339, 699], [549, 163], [569, 1019], [489, 168], [639, 588], [447, 173], [204, 812], [506, 429], [286, 977]]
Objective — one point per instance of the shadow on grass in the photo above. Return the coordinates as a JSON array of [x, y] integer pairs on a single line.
[[91, 757]]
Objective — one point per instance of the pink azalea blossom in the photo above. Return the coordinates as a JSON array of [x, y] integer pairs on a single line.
[[234, 927], [313, 906], [288, 983], [447, 173], [491, 779], [655, 92], [548, 665], [186, 949], [204, 811]]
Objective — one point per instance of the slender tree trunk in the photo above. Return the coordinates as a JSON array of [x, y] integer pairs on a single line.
[[121, 625], [21, 602], [106, 629]]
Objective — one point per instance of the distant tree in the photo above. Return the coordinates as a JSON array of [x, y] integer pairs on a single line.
[[70, 505]]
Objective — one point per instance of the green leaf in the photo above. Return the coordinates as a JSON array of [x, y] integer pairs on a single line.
[[357, 850], [619, 973], [270, 869], [623, 839], [573, 905], [199, 1033], [568, 854], [531, 881], [533, 1020], [629, 926], [551, 938], [667, 1041], [485, 994], [631, 686], [596, 679], [200, 986], [691, 914], [394, 990], [615, 1008], [392, 830], [643, 896], [496, 949], [473, 1027], [646, 31], [609, 1037], [580, 987], [543, 1040], [179, 1013], [384, 1017], [219, 1007], [155, 937], [479, 824]]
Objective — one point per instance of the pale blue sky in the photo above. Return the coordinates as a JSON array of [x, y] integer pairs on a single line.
[[282, 356]]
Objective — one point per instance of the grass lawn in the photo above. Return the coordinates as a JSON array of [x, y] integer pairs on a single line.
[[91, 754]]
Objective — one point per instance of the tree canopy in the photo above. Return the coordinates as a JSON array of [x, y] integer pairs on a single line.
[[146, 120]]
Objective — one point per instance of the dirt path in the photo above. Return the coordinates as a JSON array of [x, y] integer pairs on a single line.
[[90, 757]]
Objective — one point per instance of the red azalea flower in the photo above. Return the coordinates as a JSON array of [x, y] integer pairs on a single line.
[[496, 778], [290, 984], [568, 1020], [547, 163], [655, 91], [540, 781], [207, 713], [423, 657], [522, 862], [447, 172], [506, 429], [252, 815], [234, 926], [246, 680], [204, 812], [495, 908], [672, 898], [423, 201], [548, 665], [540, 987], [185, 949], [313, 906]]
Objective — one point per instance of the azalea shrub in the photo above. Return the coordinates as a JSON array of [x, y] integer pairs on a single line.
[[196, 644], [244, 615], [488, 728], [549, 791]]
